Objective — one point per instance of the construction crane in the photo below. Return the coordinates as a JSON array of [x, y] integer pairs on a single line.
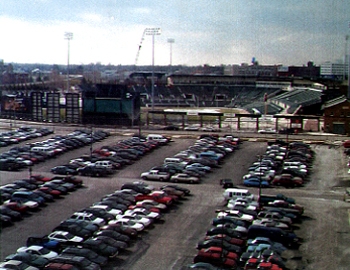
[[140, 45]]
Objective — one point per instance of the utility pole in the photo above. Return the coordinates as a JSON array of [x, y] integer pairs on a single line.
[[152, 32]]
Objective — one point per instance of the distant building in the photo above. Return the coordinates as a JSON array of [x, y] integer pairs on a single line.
[[337, 71], [337, 115], [310, 71], [251, 70]]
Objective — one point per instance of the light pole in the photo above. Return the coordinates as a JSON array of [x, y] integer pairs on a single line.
[[152, 32], [171, 41], [68, 36], [259, 194]]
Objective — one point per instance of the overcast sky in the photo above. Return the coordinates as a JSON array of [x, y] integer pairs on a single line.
[[210, 32]]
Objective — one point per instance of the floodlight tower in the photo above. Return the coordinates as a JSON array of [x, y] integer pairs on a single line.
[[171, 41], [68, 36], [152, 32]]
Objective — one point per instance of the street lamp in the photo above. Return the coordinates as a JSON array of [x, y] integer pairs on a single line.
[[152, 32], [171, 41], [68, 36]]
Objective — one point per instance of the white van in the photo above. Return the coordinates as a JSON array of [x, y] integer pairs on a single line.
[[158, 138], [104, 163], [42, 149], [233, 193]]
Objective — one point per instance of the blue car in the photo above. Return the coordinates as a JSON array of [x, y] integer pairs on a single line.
[[255, 182]]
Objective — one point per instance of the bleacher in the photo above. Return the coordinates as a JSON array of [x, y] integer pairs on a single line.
[[299, 97]]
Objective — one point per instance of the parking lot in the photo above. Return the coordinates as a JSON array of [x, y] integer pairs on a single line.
[[172, 243]]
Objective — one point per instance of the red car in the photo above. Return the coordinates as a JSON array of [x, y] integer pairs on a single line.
[[17, 206], [218, 251], [40, 177], [216, 260], [287, 180], [268, 266], [53, 192], [156, 196]]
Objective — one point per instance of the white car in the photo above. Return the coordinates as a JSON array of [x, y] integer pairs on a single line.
[[15, 264], [236, 214], [38, 250], [248, 205], [235, 227], [63, 236], [266, 222], [88, 217], [137, 218], [128, 223], [295, 168], [151, 203], [199, 166], [108, 209], [144, 212]]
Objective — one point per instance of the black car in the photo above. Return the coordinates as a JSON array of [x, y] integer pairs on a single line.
[[100, 247], [223, 230], [14, 215], [136, 187], [83, 224], [113, 234], [28, 258], [86, 253], [101, 213], [92, 171], [63, 170], [74, 229], [226, 183]]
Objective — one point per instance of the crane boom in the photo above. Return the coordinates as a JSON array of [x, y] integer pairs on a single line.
[[139, 47]]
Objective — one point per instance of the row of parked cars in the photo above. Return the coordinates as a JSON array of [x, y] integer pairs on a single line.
[[107, 159], [21, 134], [12, 160], [284, 164], [190, 165], [26, 196], [248, 234], [19, 157], [255, 232], [92, 237]]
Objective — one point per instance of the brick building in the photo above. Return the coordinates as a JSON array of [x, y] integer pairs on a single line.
[[337, 115]]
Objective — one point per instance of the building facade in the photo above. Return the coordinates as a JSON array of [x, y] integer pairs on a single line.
[[337, 115]]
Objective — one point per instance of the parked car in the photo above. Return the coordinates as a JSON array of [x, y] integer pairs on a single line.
[[86, 253], [63, 236], [184, 178], [63, 170], [30, 259], [15, 264], [255, 182], [287, 180], [38, 250], [101, 247]]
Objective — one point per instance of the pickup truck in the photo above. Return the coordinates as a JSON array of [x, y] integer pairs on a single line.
[[155, 175], [265, 199]]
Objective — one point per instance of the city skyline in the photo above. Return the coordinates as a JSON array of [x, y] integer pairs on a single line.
[[202, 32]]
